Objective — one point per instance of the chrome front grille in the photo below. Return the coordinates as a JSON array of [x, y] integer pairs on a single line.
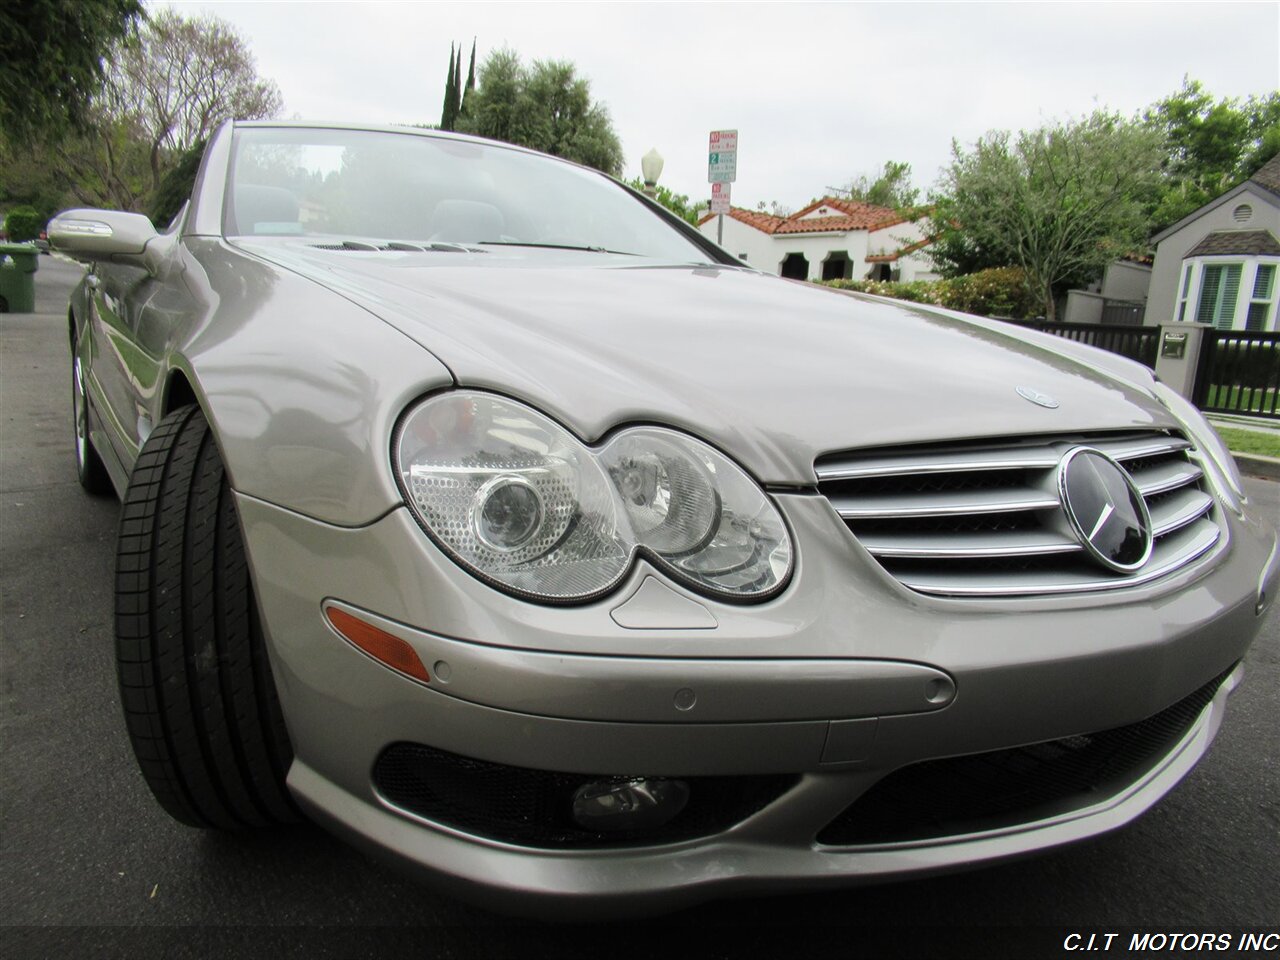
[[986, 520]]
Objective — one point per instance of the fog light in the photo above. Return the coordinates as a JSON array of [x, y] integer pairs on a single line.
[[629, 804]]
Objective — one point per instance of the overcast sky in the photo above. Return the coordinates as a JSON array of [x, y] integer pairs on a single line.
[[819, 92]]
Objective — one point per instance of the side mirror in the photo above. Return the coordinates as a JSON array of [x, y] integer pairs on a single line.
[[107, 235]]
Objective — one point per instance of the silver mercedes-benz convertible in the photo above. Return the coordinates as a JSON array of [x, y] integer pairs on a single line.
[[485, 512]]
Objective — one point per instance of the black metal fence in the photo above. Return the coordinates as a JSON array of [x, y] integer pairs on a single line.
[[1123, 312], [1136, 343], [1239, 372]]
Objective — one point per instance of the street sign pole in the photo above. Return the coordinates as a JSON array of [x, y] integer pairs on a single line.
[[722, 170], [720, 193]]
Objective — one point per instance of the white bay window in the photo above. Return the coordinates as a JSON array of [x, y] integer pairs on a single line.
[[1230, 293]]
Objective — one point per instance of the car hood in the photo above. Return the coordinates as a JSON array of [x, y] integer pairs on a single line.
[[774, 372]]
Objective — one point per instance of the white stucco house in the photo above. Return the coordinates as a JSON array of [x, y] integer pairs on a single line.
[[1219, 264], [830, 239]]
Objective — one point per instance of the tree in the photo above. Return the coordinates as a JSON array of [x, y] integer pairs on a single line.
[[176, 186], [105, 167], [457, 97], [1264, 133], [51, 63], [27, 181], [108, 167], [181, 78], [447, 115], [455, 104], [1210, 145], [547, 107], [167, 90], [471, 80], [23, 224], [1060, 202], [774, 208], [891, 187], [497, 101], [677, 203]]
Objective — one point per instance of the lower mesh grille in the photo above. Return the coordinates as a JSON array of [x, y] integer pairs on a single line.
[[988, 791], [532, 807]]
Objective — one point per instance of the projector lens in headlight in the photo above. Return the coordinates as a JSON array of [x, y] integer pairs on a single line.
[[521, 502], [506, 512]]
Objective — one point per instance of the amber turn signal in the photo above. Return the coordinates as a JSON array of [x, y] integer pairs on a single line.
[[382, 646]]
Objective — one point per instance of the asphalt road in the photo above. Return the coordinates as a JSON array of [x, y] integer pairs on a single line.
[[92, 867]]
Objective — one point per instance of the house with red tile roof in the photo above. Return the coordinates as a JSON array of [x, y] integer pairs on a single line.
[[829, 239]]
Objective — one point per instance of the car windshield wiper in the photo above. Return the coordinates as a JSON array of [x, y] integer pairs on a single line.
[[552, 246]]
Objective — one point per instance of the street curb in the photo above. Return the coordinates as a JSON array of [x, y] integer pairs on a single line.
[[1266, 425], [1256, 465]]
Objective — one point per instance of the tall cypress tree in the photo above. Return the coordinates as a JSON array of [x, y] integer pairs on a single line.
[[455, 91], [448, 115], [471, 78]]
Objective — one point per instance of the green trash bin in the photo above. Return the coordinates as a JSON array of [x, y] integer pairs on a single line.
[[18, 263]]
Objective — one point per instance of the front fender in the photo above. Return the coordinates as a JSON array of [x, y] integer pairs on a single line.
[[301, 387]]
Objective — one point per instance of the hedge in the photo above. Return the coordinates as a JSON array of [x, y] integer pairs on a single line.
[[23, 224], [998, 292]]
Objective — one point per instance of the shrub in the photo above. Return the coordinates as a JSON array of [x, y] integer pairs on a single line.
[[176, 186], [998, 292], [23, 224]]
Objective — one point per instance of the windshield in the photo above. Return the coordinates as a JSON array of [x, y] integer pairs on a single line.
[[371, 186]]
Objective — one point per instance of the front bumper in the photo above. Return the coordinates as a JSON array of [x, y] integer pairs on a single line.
[[842, 679]]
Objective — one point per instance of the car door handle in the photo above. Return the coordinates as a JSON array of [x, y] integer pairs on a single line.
[[91, 281]]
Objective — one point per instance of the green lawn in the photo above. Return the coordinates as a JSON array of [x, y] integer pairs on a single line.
[[1251, 441], [1234, 399]]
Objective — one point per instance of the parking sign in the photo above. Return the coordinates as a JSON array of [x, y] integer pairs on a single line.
[[722, 156], [720, 197]]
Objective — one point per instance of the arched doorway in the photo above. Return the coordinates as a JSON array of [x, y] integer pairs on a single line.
[[795, 267], [837, 266]]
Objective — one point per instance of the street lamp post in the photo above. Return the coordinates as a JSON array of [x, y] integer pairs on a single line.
[[651, 168]]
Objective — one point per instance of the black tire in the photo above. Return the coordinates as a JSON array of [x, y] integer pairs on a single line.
[[89, 468], [199, 699]]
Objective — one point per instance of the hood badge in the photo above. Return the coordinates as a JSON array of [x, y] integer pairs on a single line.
[[1036, 397]]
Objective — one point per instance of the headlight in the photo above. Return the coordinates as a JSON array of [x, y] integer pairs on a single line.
[[1206, 438], [518, 500]]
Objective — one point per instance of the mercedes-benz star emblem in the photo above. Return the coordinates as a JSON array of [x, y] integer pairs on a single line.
[[1036, 397], [1105, 509]]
